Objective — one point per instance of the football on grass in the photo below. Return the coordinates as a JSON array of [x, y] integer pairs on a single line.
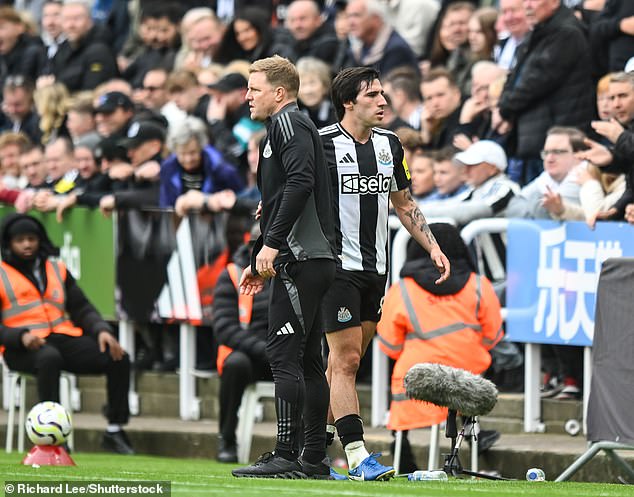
[[48, 423]]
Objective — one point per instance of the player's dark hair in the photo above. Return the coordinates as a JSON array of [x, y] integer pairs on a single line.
[[347, 85]]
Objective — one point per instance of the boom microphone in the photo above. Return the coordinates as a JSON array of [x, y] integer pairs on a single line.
[[450, 387]]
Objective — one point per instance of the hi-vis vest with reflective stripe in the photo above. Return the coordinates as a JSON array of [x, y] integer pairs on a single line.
[[24, 307], [245, 310], [456, 330]]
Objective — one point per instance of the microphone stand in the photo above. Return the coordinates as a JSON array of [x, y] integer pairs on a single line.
[[452, 464]]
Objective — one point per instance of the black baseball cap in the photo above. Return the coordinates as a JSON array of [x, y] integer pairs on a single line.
[[109, 149], [109, 102], [140, 132], [229, 82]]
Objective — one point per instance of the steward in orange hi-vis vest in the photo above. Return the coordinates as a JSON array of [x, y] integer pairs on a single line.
[[454, 324], [48, 325], [23, 306], [240, 328], [245, 310]]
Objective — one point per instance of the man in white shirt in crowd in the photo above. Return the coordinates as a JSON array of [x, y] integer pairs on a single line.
[[485, 162], [554, 194]]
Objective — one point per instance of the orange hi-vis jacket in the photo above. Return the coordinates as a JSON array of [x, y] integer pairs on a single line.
[[245, 310], [23, 306], [455, 330]]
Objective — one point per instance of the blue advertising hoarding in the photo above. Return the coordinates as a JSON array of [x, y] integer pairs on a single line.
[[552, 275]]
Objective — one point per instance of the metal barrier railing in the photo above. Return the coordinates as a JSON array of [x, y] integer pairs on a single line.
[[185, 304]]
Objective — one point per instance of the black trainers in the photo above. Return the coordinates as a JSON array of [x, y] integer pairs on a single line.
[[318, 471], [270, 465], [117, 442], [227, 452], [552, 387]]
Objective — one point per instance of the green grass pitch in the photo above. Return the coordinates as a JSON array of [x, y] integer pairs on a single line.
[[198, 478]]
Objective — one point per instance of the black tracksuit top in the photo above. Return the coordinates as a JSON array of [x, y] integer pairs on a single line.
[[297, 207]]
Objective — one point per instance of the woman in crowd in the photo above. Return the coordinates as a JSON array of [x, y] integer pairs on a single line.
[[482, 34], [598, 193], [51, 103], [314, 91], [250, 36], [450, 47], [194, 165]]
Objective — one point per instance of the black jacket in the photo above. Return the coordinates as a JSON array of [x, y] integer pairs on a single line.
[[297, 206], [136, 194], [551, 84], [30, 125], [149, 58], [443, 136], [323, 44], [87, 64], [89, 191], [623, 158], [225, 140], [605, 31], [227, 327], [26, 58], [81, 312], [322, 115]]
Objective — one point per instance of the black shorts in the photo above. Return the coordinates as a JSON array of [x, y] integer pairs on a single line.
[[354, 297]]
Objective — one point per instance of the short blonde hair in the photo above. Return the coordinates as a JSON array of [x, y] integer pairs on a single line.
[[239, 66], [81, 102], [180, 81], [279, 72]]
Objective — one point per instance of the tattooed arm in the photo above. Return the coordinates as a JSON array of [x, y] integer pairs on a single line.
[[412, 218]]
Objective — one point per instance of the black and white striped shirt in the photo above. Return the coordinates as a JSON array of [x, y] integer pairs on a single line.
[[362, 176]]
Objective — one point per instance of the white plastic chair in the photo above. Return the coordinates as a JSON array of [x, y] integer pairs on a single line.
[[434, 450], [18, 380], [247, 415]]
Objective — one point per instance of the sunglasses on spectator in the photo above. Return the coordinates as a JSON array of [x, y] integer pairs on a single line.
[[554, 151], [18, 81]]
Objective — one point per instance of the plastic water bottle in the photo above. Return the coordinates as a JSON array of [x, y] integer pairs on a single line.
[[419, 475]]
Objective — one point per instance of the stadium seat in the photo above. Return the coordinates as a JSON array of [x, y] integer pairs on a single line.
[[248, 411], [18, 380], [434, 450], [434, 438]]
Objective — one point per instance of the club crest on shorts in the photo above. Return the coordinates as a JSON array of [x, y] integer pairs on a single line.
[[344, 315], [267, 152]]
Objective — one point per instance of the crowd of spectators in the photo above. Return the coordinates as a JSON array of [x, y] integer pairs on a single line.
[[517, 108]]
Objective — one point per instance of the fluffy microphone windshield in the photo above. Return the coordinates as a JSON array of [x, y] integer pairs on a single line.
[[455, 388]]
